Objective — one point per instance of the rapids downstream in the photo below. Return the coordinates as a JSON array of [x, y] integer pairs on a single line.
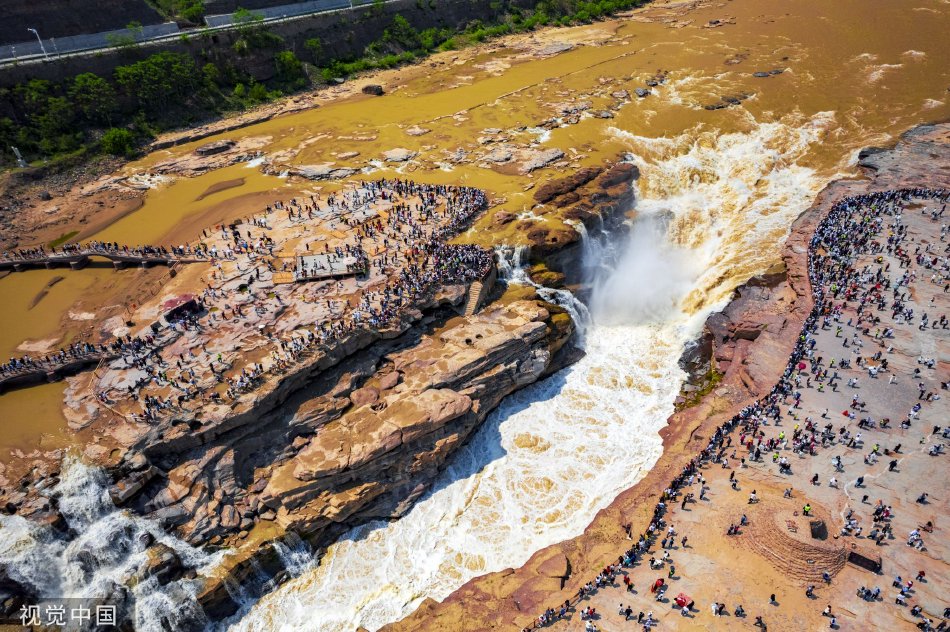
[[718, 192]]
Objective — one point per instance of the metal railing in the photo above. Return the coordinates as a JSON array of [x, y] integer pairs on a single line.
[[55, 46]]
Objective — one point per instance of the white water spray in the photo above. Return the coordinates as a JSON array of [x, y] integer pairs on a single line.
[[512, 267], [649, 280], [106, 551]]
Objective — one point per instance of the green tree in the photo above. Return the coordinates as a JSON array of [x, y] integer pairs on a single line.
[[191, 10], [159, 81], [257, 92], [54, 123], [289, 68], [402, 34], [211, 75], [246, 20], [118, 141], [34, 94], [94, 96], [7, 138], [56, 119], [315, 46]]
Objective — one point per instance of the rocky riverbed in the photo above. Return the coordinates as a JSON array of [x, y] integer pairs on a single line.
[[730, 149]]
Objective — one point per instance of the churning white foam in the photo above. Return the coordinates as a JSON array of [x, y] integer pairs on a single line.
[[729, 198], [712, 207], [105, 552], [656, 276], [537, 470]]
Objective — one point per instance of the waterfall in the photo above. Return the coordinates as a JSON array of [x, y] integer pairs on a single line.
[[650, 279], [102, 556], [512, 267], [294, 553], [594, 249], [512, 263], [547, 459]]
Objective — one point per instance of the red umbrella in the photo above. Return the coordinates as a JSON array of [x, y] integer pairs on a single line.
[[682, 599], [801, 366]]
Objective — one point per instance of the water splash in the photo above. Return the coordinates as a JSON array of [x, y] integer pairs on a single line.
[[512, 267], [105, 551], [649, 281], [295, 555], [512, 263], [730, 198]]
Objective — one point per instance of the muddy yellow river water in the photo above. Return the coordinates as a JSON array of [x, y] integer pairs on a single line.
[[855, 73]]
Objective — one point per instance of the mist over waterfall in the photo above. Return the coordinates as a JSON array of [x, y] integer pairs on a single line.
[[647, 282]]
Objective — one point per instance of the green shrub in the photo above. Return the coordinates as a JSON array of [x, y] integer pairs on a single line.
[[257, 92], [191, 10], [315, 46], [118, 141], [289, 68]]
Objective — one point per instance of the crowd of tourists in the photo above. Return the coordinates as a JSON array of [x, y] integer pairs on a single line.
[[414, 257], [197, 251], [853, 227], [70, 353]]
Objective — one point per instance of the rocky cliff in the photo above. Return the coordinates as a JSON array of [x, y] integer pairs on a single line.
[[592, 199], [357, 432]]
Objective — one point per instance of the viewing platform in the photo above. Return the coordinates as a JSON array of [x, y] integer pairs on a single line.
[[319, 267]]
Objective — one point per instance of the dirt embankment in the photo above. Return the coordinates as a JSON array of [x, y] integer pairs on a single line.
[[749, 342]]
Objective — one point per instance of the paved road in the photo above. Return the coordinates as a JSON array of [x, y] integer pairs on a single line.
[[29, 51], [91, 41]]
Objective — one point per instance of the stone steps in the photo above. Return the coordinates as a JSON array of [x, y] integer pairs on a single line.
[[474, 294]]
